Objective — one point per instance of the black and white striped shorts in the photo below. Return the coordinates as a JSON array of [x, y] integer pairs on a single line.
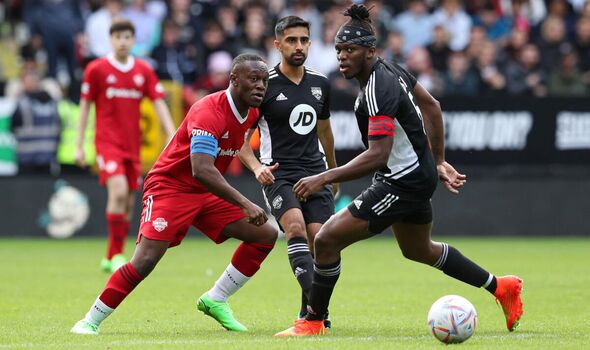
[[382, 208]]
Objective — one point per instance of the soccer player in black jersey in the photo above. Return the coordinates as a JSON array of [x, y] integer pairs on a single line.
[[389, 112], [294, 114]]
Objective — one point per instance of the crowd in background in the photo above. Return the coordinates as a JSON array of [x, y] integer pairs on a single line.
[[455, 48]]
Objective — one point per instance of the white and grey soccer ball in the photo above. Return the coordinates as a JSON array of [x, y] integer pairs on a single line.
[[68, 212], [452, 319]]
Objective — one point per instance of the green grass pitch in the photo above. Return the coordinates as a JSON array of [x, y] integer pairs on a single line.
[[380, 302]]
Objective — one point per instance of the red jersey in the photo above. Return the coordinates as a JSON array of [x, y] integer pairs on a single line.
[[117, 90], [215, 115]]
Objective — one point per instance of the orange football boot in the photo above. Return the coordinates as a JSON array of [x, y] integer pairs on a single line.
[[304, 328], [508, 295]]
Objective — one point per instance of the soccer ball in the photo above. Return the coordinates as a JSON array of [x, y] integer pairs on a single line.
[[452, 319]]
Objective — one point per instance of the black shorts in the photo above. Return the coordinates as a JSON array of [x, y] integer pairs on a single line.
[[317, 209], [381, 208]]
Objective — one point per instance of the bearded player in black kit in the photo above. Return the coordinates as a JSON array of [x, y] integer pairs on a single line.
[[406, 168], [294, 116]]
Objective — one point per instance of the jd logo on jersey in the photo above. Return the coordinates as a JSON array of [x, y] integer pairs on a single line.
[[303, 119]]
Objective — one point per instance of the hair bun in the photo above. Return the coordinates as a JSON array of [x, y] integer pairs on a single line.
[[358, 12]]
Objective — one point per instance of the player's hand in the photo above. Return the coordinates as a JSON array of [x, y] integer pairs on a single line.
[[81, 157], [450, 177], [308, 186], [264, 174], [254, 214]]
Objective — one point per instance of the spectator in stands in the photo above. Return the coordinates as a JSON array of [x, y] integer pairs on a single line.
[[552, 36], [322, 57], [566, 80], [393, 51], [497, 27], [459, 79], [415, 25], [213, 39], [97, 28], [524, 13], [492, 81], [456, 22], [564, 10], [216, 79], [227, 17], [381, 19], [477, 39], [187, 16], [525, 76], [582, 46], [147, 27], [420, 65], [59, 23], [517, 40], [307, 10], [172, 59], [254, 33], [36, 127], [439, 49]]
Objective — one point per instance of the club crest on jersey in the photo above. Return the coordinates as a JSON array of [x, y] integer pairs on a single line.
[[316, 92], [277, 202], [138, 79], [111, 79], [160, 224]]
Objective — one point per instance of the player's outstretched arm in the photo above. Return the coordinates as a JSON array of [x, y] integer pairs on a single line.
[[326, 137], [248, 158], [165, 118], [433, 123], [371, 160], [82, 124], [204, 170]]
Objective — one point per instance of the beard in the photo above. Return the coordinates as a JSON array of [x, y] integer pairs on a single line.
[[294, 62]]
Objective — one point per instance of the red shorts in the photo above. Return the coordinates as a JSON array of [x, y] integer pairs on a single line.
[[168, 216], [111, 165]]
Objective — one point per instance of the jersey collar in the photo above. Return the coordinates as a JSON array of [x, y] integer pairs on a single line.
[[278, 70], [234, 109], [122, 67]]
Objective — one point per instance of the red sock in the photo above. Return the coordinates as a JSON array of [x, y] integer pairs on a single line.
[[121, 283], [118, 227], [248, 257]]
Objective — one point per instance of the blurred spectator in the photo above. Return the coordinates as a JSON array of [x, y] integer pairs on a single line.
[[187, 16], [439, 49], [147, 27], [477, 39], [381, 18], [307, 10], [172, 59], [524, 13], [213, 39], [59, 22], [33, 53], [420, 65], [97, 28], [36, 127], [552, 36], [497, 27], [492, 81], [216, 79], [566, 80], [455, 21], [415, 25], [562, 9], [227, 17], [459, 79], [517, 40], [393, 52], [322, 56], [525, 77], [254, 34], [582, 43]]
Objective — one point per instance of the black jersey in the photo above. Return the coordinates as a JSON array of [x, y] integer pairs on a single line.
[[410, 169], [288, 119]]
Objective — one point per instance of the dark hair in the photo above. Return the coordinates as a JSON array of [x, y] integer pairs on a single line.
[[289, 22], [121, 25], [245, 57], [359, 17]]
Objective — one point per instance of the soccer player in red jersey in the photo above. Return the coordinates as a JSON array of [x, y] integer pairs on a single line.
[[116, 84], [186, 187]]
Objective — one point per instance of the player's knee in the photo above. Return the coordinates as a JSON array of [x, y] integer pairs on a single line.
[[118, 197], [144, 264], [421, 255], [268, 234], [295, 229], [324, 242]]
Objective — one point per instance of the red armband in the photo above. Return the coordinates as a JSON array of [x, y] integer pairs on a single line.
[[380, 125]]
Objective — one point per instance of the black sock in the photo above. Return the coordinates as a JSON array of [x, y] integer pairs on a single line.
[[454, 264], [302, 266], [324, 280]]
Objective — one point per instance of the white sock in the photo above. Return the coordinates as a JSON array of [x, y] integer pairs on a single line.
[[228, 283], [98, 312]]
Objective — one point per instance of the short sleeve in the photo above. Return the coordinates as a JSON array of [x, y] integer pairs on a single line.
[[89, 83], [382, 95], [202, 119], [153, 88]]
